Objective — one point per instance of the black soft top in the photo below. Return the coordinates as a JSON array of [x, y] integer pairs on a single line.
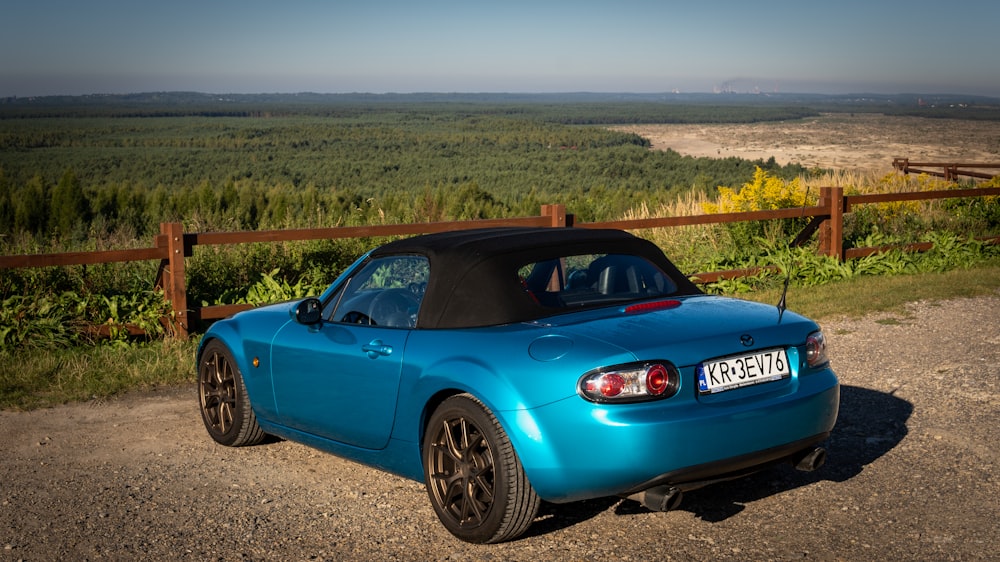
[[473, 272]]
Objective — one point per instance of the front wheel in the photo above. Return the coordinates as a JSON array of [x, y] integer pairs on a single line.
[[225, 407], [474, 478]]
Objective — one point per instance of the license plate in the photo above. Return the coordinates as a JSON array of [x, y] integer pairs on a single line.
[[742, 370]]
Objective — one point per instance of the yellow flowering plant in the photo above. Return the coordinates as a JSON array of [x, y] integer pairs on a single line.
[[763, 193]]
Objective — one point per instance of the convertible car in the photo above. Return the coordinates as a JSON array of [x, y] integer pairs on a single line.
[[503, 367]]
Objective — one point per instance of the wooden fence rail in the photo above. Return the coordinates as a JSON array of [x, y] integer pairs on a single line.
[[172, 246], [949, 170]]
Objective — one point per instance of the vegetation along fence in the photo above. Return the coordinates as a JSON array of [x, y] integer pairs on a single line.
[[173, 245]]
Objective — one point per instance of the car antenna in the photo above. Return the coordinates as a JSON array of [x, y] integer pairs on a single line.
[[788, 270], [781, 301]]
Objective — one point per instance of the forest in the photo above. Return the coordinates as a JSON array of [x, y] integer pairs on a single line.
[[75, 169], [67, 176]]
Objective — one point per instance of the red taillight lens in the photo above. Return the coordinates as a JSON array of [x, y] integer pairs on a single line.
[[657, 379], [632, 382], [612, 385], [816, 349]]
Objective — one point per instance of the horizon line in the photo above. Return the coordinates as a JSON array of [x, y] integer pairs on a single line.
[[664, 93]]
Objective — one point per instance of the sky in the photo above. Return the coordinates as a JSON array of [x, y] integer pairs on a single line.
[[73, 47]]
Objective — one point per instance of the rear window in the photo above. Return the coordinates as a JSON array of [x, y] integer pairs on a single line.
[[593, 279]]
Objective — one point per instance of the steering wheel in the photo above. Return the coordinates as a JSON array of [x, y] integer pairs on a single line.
[[392, 307], [355, 317]]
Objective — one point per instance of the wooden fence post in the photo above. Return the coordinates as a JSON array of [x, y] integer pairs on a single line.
[[831, 233], [557, 213], [172, 276]]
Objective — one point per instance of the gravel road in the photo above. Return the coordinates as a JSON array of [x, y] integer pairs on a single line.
[[910, 476]]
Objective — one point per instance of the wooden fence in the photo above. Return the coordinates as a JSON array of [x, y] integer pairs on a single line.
[[950, 171], [173, 245]]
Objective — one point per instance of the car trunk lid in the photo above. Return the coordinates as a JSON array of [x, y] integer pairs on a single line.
[[689, 330]]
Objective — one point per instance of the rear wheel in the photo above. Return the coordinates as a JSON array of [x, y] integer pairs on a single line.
[[473, 476], [225, 407]]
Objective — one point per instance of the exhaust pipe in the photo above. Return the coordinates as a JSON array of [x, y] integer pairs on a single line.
[[661, 498], [809, 460]]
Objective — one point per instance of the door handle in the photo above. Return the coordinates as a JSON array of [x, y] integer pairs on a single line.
[[375, 348]]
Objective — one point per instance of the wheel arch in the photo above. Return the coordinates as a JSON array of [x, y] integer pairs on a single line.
[[257, 386], [519, 425], [438, 382], [234, 350], [430, 406]]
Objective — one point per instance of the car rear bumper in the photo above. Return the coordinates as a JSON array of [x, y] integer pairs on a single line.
[[694, 477], [572, 451]]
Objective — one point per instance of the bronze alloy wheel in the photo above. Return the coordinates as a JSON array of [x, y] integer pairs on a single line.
[[218, 393], [225, 408], [463, 472], [473, 477]]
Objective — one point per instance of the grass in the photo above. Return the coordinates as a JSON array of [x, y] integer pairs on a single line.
[[864, 295], [43, 378], [40, 378]]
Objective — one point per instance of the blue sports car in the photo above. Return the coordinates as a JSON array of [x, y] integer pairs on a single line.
[[507, 366]]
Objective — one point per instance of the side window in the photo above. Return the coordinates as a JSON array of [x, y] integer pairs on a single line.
[[385, 292]]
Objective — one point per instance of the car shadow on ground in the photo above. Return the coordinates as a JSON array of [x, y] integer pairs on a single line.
[[870, 424]]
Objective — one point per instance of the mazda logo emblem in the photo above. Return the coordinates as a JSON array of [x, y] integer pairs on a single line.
[[746, 340]]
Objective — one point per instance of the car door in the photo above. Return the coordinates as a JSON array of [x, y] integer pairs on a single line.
[[340, 379]]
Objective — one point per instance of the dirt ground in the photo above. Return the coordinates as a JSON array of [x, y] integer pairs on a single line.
[[912, 475], [835, 141]]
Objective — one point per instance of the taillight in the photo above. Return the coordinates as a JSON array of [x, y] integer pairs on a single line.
[[633, 382], [816, 349], [657, 380]]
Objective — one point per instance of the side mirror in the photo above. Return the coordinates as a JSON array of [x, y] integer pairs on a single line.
[[308, 312]]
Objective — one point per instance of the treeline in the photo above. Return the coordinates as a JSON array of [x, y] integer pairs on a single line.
[[69, 176], [599, 107]]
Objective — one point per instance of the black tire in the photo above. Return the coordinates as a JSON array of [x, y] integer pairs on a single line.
[[473, 476], [225, 407]]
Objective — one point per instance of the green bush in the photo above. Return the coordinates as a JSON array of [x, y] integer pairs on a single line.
[[45, 321]]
